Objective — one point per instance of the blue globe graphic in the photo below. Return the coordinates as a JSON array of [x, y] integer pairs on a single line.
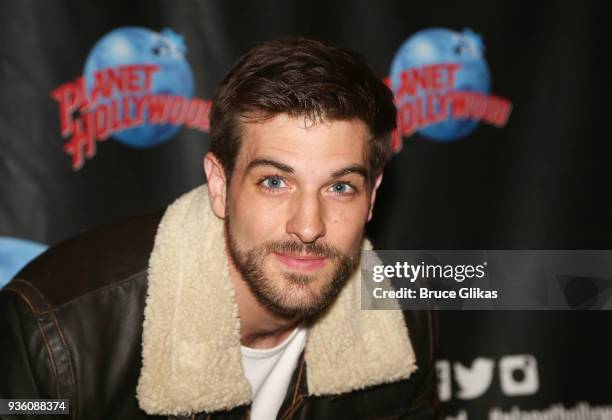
[[14, 255], [134, 45], [437, 46]]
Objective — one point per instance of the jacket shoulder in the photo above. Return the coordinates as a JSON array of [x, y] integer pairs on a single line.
[[423, 329], [91, 261]]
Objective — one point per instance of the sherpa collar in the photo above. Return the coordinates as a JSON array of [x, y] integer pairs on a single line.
[[191, 338]]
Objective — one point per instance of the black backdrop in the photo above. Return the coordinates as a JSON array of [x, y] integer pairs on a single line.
[[539, 182]]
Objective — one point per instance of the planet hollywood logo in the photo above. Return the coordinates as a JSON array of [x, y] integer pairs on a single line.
[[137, 87], [442, 84]]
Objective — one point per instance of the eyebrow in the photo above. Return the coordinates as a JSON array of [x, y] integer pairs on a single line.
[[269, 162], [350, 169]]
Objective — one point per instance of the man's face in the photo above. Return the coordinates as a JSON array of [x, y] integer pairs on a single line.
[[295, 210]]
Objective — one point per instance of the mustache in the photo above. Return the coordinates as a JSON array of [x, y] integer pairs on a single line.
[[293, 247]]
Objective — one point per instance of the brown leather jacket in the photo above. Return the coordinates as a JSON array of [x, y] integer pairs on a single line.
[[71, 326]]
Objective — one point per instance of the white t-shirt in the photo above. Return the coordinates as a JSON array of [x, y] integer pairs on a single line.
[[269, 372]]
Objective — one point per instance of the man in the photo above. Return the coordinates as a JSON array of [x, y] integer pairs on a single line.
[[243, 301]]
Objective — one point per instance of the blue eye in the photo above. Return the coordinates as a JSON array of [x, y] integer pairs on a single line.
[[273, 183], [342, 188]]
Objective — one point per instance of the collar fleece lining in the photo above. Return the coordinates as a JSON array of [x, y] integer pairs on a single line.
[[191, 334]]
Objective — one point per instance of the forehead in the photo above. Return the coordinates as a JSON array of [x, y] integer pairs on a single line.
[[325, 143]]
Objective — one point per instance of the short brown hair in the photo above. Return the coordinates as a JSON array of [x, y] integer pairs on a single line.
[[302, 78]]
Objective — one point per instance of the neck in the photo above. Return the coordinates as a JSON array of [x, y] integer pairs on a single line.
[[259, 328]]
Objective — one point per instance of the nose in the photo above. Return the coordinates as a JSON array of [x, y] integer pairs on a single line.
[[306, 218]]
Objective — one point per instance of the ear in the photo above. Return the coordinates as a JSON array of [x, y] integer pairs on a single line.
[[217, 184], [377, 182]]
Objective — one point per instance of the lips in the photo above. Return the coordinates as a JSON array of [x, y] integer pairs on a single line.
[[301, 262]]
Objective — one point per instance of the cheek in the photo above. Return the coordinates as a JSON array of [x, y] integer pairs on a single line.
[[255, 220], [346, 226]]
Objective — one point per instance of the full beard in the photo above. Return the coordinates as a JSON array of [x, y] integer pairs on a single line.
[[277, 296]]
